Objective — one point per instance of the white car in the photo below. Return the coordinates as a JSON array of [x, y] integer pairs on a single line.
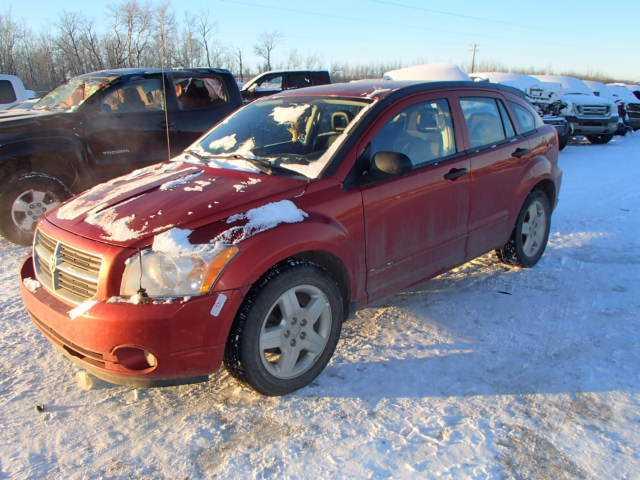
[[594, 117], [622, 93], [431, 72], [12, 91]]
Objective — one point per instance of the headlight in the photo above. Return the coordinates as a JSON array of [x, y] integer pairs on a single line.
[[174, 275]]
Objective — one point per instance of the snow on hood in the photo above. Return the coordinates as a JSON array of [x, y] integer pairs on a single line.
[[148, 201], [621, 92], [176, 240], [515, 80], [579, 99], [570, 85], [431, 72]]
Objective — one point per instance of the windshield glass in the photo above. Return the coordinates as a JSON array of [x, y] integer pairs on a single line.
[[70, 95], [291, 133]]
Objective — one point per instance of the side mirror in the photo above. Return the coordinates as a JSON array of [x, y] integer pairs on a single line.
[[391, 163]]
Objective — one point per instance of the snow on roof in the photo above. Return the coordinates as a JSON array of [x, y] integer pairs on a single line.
[[600, 89], [431, 72], [569, 84]]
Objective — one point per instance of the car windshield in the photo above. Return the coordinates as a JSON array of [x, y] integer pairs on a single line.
[[289, 133], [70, 95]]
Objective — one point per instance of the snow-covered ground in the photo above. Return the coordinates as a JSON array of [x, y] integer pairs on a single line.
[[484, 372]]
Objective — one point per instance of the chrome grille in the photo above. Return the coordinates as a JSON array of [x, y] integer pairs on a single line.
[[593, 110], [65, 271]]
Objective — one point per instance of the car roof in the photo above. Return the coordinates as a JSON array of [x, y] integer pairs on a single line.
[[379, 89], [124, 72]]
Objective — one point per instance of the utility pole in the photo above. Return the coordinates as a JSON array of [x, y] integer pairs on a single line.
[[473, 49]]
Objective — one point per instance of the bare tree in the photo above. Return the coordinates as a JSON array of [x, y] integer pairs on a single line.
[[205, 29], [267, 42], [239, 58]]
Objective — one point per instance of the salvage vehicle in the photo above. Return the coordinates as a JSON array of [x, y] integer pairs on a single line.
[[595, 118], [544, 96], [601, 90], [98, 126], [274, 81], [253, 246], [630, 102], [13, 91]]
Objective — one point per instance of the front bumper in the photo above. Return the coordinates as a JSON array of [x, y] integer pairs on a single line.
[[593, 126], [186, 338]]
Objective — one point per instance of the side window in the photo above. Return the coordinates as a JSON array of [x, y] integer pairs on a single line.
[[319, 78], [137, 96], [298, 80], [506, 120], [525, 118], [483, 121], [423, 132], [7, 94], [270, 84], [194, 93]]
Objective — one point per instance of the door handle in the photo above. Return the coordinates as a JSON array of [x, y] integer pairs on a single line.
[[455, 173], [520, 152]]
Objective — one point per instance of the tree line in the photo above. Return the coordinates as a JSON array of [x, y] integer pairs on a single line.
[[147, 34]]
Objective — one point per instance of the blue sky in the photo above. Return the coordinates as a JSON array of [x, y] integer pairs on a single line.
[[582, 35]]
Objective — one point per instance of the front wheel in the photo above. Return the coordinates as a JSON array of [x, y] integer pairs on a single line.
[[531, 233], [287, 330], [23, 201], [599, 139]]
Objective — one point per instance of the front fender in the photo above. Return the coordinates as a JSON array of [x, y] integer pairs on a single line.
[[260, 253]]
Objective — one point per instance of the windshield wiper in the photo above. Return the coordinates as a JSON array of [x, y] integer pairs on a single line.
[[265, 166]]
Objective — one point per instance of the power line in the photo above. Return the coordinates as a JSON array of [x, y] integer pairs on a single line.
[[455, 14]]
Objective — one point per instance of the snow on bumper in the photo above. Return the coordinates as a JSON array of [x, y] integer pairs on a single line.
[[186, 340]]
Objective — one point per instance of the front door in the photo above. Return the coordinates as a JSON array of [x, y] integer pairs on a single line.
[[416, 224], [125, 127]]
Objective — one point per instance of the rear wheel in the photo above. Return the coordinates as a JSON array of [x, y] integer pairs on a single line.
[[23, 201], [531, 233], [599, 139], [287, 330]]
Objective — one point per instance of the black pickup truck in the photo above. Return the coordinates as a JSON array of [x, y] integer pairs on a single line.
[[98, 126], [269, 83]]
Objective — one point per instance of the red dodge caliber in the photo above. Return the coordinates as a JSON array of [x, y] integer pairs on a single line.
[[252, 247]]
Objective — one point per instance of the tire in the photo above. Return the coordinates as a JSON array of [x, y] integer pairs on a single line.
[[261, 322], [599, 139], [24, 200], [517, 251]]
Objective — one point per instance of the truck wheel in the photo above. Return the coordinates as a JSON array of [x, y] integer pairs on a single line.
[[287, 329], [599, 139], [531, 233], [24, 200]]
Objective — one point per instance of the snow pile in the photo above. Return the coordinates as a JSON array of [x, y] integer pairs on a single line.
[[172, 184], [198, 186], [289, 115], [431, 72], [82, 309], [175, 242], [31, 284], [570, 85]]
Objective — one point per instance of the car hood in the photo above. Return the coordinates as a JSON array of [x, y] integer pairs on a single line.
[[15, 120], [578, 99], [128, 211]]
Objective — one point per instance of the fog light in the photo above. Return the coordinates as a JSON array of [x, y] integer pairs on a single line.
[[134, 358]]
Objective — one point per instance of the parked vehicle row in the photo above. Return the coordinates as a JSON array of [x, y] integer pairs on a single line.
[[252, 247]]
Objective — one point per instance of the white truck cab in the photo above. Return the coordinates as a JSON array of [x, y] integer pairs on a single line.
[[12, 91]]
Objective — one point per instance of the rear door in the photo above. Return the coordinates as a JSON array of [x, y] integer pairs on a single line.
[[124, 127], [198, 102], [498, 155], [415, 224]]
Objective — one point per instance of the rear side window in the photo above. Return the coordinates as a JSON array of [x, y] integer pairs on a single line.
[[298, 80], [196, 93], [270, 84], [483, 121], [526, 119], [7, 94], [423, 132]]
